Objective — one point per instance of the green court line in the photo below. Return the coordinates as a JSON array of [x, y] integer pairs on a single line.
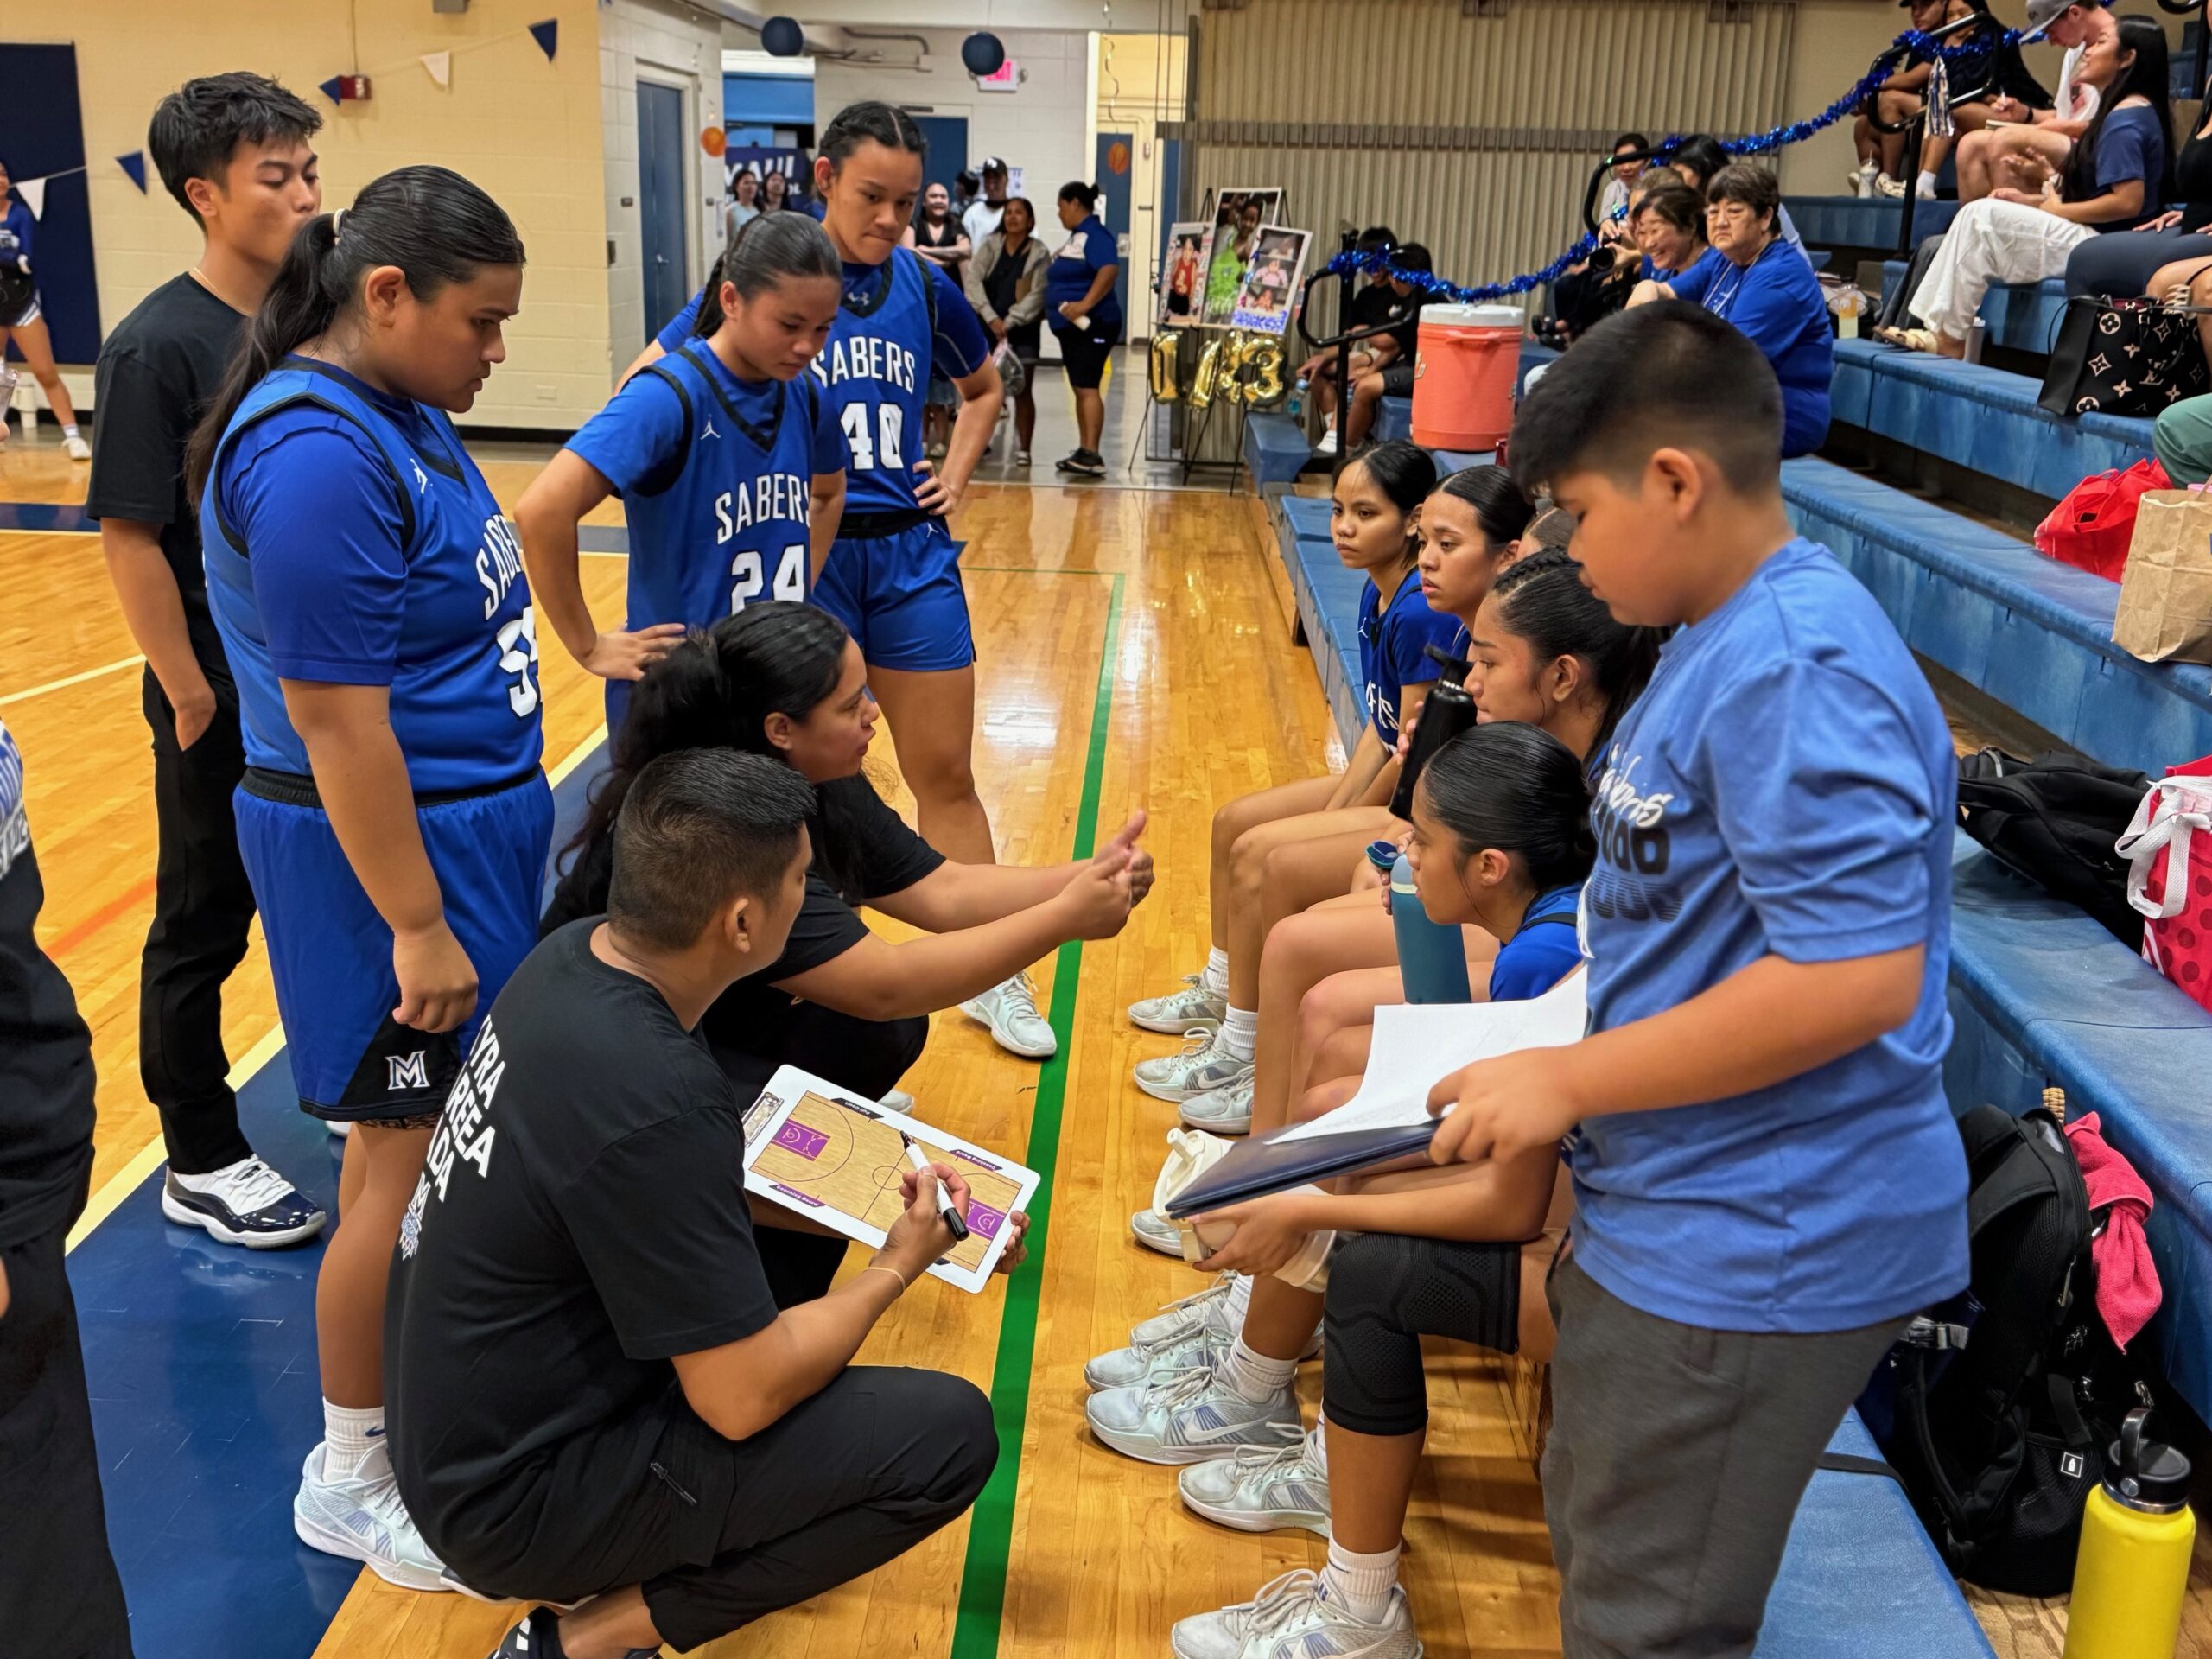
[[990, 1527]]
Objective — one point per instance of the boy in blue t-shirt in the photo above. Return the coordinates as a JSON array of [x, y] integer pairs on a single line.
[[1768, 1182]]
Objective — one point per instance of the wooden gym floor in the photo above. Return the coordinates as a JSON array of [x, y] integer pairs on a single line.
[[1134, 651]]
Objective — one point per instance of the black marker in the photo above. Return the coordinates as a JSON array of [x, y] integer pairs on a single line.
[[944, 1203]]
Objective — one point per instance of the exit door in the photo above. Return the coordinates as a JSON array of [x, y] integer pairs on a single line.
[[661, 218]]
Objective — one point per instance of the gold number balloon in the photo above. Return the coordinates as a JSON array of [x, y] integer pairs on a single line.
[[1263, 370], [1165, 347], [1202, 380]]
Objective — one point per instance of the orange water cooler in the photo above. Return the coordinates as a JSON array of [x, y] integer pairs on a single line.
[[1463, 383]]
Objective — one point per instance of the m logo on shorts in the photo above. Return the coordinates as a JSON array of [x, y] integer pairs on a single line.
[[408, 1070]]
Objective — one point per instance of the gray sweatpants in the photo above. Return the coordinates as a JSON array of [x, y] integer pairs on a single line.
[[1677, 1460]]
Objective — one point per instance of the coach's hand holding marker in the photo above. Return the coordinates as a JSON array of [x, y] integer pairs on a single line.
[[939, 1178]]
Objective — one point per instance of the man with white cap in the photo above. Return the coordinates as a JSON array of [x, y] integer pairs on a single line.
[[982, 214], [2021, 146]]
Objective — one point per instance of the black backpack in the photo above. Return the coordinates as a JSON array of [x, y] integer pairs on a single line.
[[2005, 1397], [2053, 820]]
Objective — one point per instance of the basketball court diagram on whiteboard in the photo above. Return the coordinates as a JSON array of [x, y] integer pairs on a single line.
[[841, 1160]]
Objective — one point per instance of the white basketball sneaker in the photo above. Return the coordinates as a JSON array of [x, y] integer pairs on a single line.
[[362, 1517], [1189, 1417], [1259, 1491], [1193, 1009], [1292, 1617], [1011, 1012], [1200, 1066]]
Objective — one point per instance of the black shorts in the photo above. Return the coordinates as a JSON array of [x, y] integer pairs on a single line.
[[1084, 352], [1398, 380]]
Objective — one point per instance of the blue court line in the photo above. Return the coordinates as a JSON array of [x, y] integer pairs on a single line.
[[201, 1358], [44, 516]]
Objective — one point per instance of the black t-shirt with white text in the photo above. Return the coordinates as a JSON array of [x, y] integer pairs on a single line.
[[158, 373], [580, 1219]]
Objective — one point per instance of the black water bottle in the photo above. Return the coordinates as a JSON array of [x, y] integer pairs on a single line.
[[1448, 711]]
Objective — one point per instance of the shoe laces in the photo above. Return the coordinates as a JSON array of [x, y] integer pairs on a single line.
[[1282, 1602], [1197, 1045], [1184, 1388], [252, 1185], [1019, 996], [1198, 1301], [1261, 1466]]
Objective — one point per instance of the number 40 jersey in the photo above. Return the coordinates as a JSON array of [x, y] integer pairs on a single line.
[[716, 476]]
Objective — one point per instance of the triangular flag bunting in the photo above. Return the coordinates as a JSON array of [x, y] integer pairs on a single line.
[[134, 165], [333, 88], [440, 67], [548, 35], [33, 191]]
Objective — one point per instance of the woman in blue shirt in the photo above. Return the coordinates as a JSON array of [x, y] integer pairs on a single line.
[[727, 454], [394, 819], [1759, 285], [20, 321], [2118, 175], [1085, 315]]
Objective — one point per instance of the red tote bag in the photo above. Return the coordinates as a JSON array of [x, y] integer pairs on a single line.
[[2169, 849], [2091, 528]]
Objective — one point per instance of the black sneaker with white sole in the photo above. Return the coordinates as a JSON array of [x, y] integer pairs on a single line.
[[538, 1636], [246, 1203], [1086, 463]]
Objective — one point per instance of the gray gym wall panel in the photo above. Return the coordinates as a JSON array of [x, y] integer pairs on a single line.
[[1473, 134]]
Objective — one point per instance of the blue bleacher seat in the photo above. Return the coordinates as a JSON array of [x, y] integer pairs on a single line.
[[1981, 418], [2022, 316], [1860, 1579], [1873, 222], [1275, 448], [2032, 633], [1327, 597]]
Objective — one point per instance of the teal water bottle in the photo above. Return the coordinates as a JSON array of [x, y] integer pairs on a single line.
[[1432, 959]]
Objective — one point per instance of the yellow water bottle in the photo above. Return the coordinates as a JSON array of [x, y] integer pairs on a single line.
[[2134, 1566]]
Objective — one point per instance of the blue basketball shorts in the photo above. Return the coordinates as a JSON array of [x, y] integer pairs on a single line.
[[900, 596], [330, 953]]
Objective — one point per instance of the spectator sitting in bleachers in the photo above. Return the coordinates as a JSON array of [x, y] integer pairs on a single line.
[[1668, 222], [1368, 299], [1614, 198], [2167, 251], [2116, 176], [1881, 155], [2029, 145], [1700, 156], [1989, 66], [1390, 357], [1767, 293], [2182, 439]]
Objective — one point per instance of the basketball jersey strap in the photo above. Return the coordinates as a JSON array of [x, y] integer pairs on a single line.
[[329, 405]]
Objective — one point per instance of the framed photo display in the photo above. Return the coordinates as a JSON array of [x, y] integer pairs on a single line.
[[1182, 279], [1268, 294], [1238, 217]]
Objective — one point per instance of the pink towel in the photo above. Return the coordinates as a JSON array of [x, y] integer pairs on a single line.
[[2127, 1279]]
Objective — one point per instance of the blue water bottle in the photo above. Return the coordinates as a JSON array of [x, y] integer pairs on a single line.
[[1432, 958]]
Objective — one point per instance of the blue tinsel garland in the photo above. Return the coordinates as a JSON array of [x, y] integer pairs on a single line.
[[1911, 43]]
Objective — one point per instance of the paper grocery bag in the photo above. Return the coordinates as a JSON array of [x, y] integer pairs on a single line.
[[2165, 593]]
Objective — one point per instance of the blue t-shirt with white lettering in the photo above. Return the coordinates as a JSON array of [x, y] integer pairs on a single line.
[[716, 476], [1390, 649], [1776, 300], [1089, 249], [1785, 787]]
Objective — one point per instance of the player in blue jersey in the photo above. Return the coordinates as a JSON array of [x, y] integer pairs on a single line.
[[726, 455], [393, 818]]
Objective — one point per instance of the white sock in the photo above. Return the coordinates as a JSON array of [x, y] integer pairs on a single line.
[[1361, 1584], [70, 430], [1253, 1375], [1240, 1033], [1926, 185], [1215, 977], [1321, 1444], [348, 1435], [1240, 1296], [206, 1182]]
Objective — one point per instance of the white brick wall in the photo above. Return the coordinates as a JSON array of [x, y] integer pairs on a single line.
[[675, 46]]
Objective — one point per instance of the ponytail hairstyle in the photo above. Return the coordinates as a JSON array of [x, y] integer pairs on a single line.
[[870, 121], [768, 249], [1551, 528], [1405, 473], [717, 690], [430, 222], [1077, 190], [1516, 788], [1500, 508], [1542, 599]]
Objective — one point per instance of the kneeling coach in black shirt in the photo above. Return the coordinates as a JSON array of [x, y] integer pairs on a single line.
[[589, 1388]]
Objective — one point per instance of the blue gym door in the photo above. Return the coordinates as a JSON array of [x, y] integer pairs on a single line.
[[1112, 178], [661, 218], [947, 138]]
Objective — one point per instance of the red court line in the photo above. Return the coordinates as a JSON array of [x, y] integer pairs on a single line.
[[100, 918]]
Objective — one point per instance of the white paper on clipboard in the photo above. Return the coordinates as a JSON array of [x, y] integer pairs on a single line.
[[1417, 1043], [828, 1154]]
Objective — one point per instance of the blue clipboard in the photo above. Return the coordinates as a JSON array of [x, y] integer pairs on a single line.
[[1258, 1168]]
